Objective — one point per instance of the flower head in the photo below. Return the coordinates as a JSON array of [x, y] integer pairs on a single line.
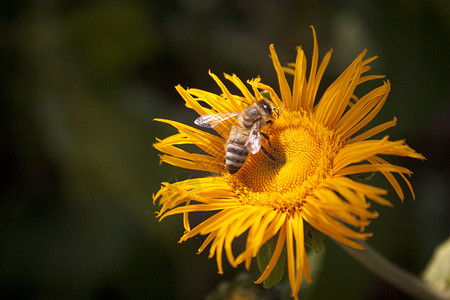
[[311, 148]]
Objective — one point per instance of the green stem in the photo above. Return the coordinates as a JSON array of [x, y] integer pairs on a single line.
[[399, 278]]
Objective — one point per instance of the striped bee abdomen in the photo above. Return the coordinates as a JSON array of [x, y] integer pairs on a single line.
[[236, 152]]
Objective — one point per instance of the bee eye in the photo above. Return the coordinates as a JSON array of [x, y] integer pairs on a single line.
[[267, 108]]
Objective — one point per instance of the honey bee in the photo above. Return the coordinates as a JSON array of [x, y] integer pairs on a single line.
[[245, 135]]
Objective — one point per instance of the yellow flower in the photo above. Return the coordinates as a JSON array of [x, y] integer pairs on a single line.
[[314, 146]]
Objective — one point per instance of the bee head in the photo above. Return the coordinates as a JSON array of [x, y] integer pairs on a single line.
[[266, 106]]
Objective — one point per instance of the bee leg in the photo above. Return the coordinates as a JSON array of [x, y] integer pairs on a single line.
[[267, 138], [268, 154]]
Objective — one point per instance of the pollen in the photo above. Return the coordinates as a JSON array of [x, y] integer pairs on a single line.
[[303, 151]]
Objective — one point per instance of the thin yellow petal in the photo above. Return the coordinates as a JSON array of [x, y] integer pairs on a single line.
[[306, 271], [275, 256], [235, 105], [218, 243], [256, 220], [319, 76], [284, 86], [371, 192], [273, 95], [373, 131], [336, 97], [300, 249], [241, 86], [186, 225], [394, 183], [209, 225], [328, 225], [309, 97], [360, 122], [207, 241], [290, 256], [268, 218], [209, 143], [366, 168], [360, 151], [299, 86], [191, 102]]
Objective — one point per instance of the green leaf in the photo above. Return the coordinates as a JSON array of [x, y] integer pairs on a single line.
[[313, 238], [263, 258], [362, 176], [266, 94]]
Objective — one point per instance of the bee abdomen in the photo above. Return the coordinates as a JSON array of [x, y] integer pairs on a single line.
[[238, 137], [236, 150], [235, 157], [232, 166]]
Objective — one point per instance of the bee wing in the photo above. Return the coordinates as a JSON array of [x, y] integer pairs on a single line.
[[253, 144], [211, 120]]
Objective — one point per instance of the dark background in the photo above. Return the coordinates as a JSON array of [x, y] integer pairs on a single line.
[[81, 82]]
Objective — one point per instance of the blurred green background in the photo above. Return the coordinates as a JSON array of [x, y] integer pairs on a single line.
[[81, 82]]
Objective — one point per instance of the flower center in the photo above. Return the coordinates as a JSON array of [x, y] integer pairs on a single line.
[[303, 152]]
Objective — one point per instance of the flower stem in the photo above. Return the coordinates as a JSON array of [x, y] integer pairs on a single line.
[[399, 278]]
